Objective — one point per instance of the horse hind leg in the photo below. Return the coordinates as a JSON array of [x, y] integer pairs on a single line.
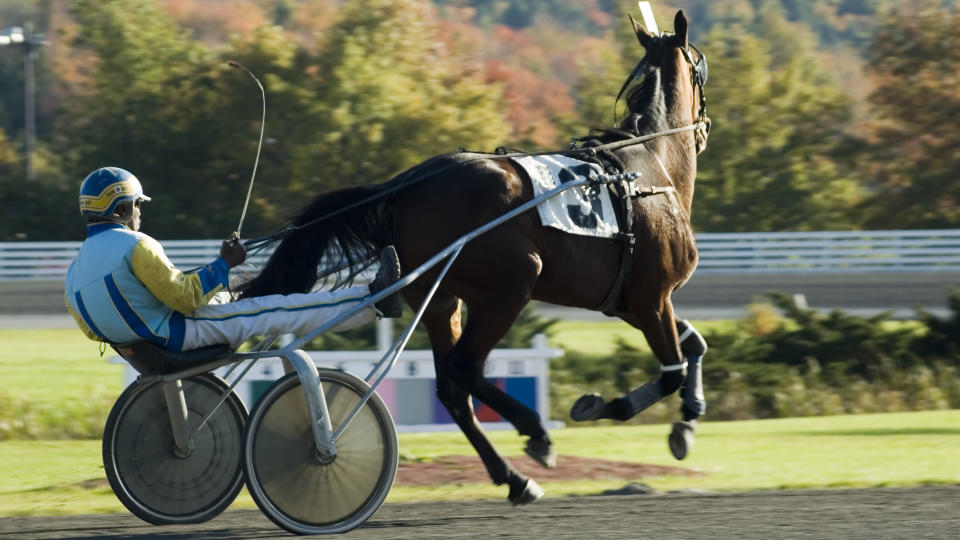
[[464, 367], [522, 490], [442, 321], [658, 326], [485, 327]]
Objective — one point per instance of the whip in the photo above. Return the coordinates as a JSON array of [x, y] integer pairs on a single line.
[[263, 119]]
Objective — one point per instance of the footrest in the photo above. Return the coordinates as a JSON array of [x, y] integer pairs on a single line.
[[151, 359]]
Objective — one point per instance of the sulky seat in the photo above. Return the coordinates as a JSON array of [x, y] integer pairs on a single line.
[[151, 359]]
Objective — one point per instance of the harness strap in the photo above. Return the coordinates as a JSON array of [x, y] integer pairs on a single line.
[[624, 191], [265, 240], [612, 302]]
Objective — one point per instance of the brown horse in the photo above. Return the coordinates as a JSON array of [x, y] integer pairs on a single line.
[[428, 207]]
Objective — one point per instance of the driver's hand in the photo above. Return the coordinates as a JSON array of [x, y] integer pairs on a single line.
[[233, 251]]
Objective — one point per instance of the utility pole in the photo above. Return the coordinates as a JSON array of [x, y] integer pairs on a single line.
[[30, 42]]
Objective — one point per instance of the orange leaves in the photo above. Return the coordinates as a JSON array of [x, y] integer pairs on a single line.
[[214, 20], [532, 102]]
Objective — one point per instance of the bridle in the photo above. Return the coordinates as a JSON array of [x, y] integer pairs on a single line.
[[698, 75]]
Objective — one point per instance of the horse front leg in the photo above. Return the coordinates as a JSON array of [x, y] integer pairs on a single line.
[[659, 328], [693, 347]]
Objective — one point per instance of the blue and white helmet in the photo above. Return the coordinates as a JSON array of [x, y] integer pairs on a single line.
[[104, 188]]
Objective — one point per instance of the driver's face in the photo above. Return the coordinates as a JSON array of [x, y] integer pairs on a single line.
[[134, 223]]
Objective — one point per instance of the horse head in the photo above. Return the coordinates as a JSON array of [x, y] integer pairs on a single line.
[[672, 74], [665, 92]]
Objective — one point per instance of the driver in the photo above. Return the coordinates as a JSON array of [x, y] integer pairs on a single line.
[[122, 287]]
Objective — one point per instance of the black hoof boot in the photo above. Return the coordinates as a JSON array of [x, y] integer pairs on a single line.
[[592, 407], [542, 452], [681, 439], [588, 407]]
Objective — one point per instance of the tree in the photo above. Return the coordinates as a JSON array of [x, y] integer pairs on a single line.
[[133, 114], [389, 96], [832, 21], [776, 118], [171, 111], [378, 96], [915, 166], [584, 15], [230, 122]]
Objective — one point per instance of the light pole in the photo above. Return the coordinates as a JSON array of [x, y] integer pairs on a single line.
[[30, 42]]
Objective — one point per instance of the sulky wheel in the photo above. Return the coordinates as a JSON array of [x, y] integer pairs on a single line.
[[291, 484], [146, 473]]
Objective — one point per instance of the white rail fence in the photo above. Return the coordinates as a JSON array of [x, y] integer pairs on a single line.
[[830, 252], [720, 253], [48, 261]]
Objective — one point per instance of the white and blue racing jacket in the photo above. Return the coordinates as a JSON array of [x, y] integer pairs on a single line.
[[122, 288]]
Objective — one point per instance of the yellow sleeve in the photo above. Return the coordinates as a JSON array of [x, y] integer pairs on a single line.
[[81, 323], [182, 292]]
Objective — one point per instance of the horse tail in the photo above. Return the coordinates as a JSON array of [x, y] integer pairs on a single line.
[[324, 240]]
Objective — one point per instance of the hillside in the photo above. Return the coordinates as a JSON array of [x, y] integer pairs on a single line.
[[807, 101]]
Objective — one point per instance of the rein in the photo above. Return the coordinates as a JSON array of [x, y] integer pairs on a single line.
[[698, 74], [263, 241]]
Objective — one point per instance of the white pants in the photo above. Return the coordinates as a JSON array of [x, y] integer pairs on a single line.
[[235, 322]]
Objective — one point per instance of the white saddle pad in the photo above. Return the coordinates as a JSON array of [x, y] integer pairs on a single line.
[[583, 210]]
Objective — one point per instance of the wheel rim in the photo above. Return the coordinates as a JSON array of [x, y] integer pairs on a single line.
[[159, 481], [292, 477]]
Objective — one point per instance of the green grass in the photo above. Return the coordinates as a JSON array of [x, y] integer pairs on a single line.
[[55, 366], [601, 337], [54, 384], [901, 449], [60, 370]]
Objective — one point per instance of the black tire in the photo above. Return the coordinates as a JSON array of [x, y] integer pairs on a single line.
[[286, 480], [149, 478]]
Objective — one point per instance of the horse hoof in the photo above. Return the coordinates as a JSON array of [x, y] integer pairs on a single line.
[[531, 493], [542, 452], [588, 407], [681, 439]]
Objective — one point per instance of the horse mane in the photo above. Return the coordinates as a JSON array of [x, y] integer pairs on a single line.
[[646, 113], [647, 106]]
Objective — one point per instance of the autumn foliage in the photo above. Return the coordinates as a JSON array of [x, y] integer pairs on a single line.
[[825, 114]]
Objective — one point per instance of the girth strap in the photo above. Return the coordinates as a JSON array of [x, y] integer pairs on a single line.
[[624, 192], [612, 303]]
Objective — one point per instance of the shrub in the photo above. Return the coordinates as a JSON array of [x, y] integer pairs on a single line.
[[784, 360]]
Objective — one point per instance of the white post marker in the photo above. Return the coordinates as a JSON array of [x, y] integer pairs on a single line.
[[648, 20]]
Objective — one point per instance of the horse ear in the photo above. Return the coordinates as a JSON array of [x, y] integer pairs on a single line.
[[680, 27], [642, 34]]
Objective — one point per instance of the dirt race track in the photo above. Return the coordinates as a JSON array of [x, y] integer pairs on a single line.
[[884, 513]]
